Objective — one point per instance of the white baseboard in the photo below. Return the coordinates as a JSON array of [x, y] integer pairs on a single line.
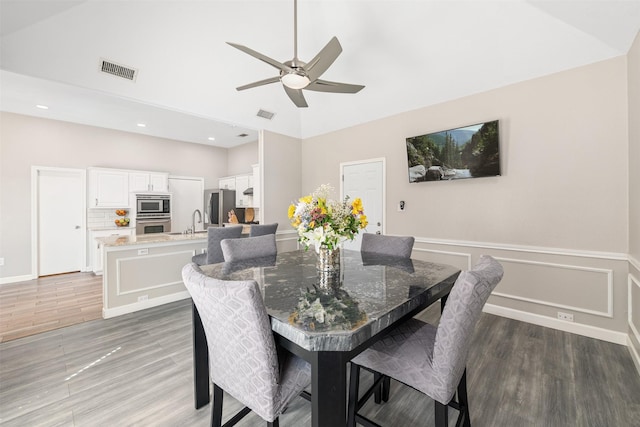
[[549, 322], [634, 354], [14, 279], [153, 302]]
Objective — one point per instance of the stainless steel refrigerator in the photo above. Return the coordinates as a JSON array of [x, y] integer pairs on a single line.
[[217, 204]]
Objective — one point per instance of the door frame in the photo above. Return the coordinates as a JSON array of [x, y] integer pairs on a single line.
[[384, 183], [35, 202]]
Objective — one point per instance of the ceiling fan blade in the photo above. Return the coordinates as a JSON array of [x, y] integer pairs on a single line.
[[326, 86], [323, 60], [296, 96], [261, 57], [259, 83]]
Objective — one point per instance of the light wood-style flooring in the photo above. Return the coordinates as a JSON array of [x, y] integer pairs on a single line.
[[48, 303], [136, 370]]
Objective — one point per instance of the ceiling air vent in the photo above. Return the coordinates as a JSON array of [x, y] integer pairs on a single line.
[[265, 114], [243, 135], [118, 70]]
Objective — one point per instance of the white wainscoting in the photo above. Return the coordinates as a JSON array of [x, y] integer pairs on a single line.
[[634, 315], [539, 282]]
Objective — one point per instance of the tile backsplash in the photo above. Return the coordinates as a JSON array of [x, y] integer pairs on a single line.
[[100, 218]]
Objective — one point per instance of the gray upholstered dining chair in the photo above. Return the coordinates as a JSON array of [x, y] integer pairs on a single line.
[[214, 236], [262, 229], [243, 360], [400, 246], [431, 359], [235, 250]]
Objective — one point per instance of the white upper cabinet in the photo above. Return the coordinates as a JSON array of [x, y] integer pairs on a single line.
[[228, 183], [108, 188], [256, 186], [148, 181], [242, 183]]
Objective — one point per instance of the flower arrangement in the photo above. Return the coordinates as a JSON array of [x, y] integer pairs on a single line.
[[324, 222]]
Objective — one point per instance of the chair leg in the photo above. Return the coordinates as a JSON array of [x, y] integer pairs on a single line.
[[275, 423], [441, 414], [354, 383], [386, 387], [379, 390], [463, 399], [216, 406]]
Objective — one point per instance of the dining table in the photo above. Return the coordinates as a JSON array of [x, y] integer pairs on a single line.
[[328, 317]]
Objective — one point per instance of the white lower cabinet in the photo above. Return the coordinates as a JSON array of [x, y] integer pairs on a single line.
[[95, 250]]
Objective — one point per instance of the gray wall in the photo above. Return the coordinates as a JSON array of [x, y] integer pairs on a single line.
[[557, 218], [240, 158], [26, 141], [281, 176], [633, 76]]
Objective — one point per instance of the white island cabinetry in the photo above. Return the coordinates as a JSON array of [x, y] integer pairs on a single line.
[[142, 271]]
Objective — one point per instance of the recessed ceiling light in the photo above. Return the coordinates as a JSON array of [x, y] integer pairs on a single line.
[[142, 125], [42, 107], [211, 138]]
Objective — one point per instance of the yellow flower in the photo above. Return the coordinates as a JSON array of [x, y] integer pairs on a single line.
[[363, 221], [306, 199], [357, 206], [296, 222], [292, 210], [312, 224]]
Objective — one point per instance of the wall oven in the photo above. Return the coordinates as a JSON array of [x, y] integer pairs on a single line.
[[153, 213], [153, 225]]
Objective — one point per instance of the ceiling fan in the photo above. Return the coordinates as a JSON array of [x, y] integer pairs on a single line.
[[297, 75]]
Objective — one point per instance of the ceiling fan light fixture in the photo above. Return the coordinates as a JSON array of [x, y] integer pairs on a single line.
[[295, 81]]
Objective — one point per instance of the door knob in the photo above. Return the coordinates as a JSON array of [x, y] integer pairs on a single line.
[[379, 224], [77, 227], [378, 232]]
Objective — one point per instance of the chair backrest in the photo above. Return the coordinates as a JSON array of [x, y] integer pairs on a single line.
[[262, 229], [242, 353], [457, 323], [235, 250], [214, 236], [399, 246]]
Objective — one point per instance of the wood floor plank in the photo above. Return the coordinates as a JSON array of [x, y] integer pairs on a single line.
[[518, 375]]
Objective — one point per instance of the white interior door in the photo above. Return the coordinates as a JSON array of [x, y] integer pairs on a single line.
[[186, 197], [365, 180], [61, 232]]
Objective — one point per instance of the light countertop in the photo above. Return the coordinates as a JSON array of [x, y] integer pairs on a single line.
[[145, 239]]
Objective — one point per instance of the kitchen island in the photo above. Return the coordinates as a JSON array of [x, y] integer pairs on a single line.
[[143, 271]]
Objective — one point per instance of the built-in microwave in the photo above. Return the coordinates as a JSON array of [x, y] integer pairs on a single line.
[[153, 205]]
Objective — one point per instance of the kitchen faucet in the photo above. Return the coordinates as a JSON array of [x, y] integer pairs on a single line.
[[193, 219]]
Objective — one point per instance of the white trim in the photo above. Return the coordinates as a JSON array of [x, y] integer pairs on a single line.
[[460, 254], [119, 262], [35, 172], [549, 322], [630, 282], [14, 279], [384, 183], [634, 354], [261, 173], [523, 248], [137, 306], [634, 262], [608, 272]]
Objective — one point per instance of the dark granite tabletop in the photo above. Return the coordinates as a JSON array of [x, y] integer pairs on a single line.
[[337, 312]]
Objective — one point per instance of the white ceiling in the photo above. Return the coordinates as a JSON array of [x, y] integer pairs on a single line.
[[408, 54]]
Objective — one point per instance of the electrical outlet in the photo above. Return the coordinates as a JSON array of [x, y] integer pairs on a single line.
[[1, 261], [143, 298], [565, 316]]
